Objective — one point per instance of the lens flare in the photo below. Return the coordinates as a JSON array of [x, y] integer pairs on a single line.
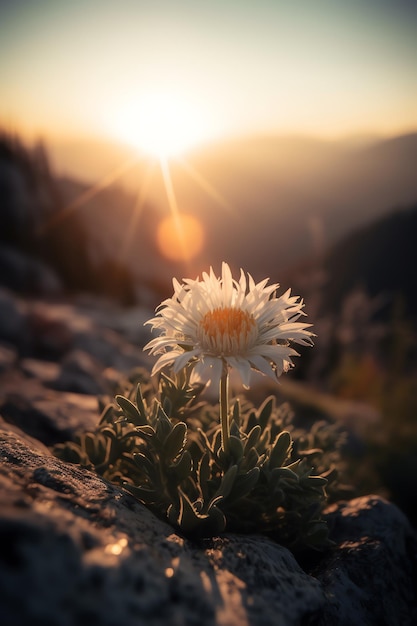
[[180, 237]]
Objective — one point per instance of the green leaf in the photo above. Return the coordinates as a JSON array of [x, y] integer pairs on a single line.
[[109, 432], [280, 450], [253, 438], [163, 425], [89, 444], [263, 443], [107, 414], [316, 482], [189, 519], [144, 464], [214, 501], [227, 482], [183, 467], [244, 484], [140, 403], [234, 430], [203, 472], [145, 431], [147, 496], [215, 523], [167, 405], [204, 439], [251, 458], [103, 447], [251, 420], [130, 411], [310, 452], [175, 441], [235, 448], [296, 465], [265, 411], [285, 473], [236, 414], [217, 441], [71, 453], [131, 434], [173, 513]]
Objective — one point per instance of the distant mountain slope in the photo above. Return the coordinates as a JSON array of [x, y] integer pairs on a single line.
[[45, 245], [381, 258], [264, 203], [288, 196]]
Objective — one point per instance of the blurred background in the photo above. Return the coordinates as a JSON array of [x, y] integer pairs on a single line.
[[145, 140]]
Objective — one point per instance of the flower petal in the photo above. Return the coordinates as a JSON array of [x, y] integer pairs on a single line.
[[221, 319]]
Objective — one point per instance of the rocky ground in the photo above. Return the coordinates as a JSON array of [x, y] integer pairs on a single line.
[[77, 550]]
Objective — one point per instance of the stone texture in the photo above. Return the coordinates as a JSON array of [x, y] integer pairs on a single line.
[[47, 415], [12, 317], [371, 577], [8, 357], [82, 551], [22, 272], [81, 373], [77, 550]]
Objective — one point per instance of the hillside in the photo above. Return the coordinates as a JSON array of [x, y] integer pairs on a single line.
[[265, 202], [380, 258]]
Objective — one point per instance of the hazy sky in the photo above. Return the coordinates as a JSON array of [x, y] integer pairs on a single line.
[[327, 67]]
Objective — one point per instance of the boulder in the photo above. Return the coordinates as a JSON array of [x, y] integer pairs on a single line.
[[47, 415], [78, 550], [81, 373], [27, 274], [8, 357], [370, 577], [12, 318]]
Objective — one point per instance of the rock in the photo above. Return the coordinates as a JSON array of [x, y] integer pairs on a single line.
[[77, 550], [84, 552], [370, 577], [12, 318], [111, 349], [44, 371], [80, 373], [26, 274], [49, 337], [8, 357], [47, 415], [51, 330]]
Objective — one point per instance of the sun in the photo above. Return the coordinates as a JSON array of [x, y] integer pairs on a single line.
[[161, 124]]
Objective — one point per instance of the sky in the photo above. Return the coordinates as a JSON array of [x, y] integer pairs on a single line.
[[215, 69]]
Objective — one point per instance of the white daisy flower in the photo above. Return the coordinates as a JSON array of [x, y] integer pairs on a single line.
[[221, 323]]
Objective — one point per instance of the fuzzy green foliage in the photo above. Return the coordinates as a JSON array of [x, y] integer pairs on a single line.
[[165, 449]]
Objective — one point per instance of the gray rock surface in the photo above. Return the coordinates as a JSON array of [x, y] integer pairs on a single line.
[[77, 550], [45, 414], [371, 577], [27, 274]]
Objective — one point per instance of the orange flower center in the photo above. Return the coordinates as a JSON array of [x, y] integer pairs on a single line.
[[227, 331]]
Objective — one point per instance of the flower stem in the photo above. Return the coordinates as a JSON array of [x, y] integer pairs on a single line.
[[224, 407]]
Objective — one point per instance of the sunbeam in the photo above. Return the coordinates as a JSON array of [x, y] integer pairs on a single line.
[[137, 211], [180, 237], [173, 206], [205, 185], [106, 181]]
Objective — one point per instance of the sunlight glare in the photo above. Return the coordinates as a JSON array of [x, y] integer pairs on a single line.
[[160, 124], [180, 237]]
